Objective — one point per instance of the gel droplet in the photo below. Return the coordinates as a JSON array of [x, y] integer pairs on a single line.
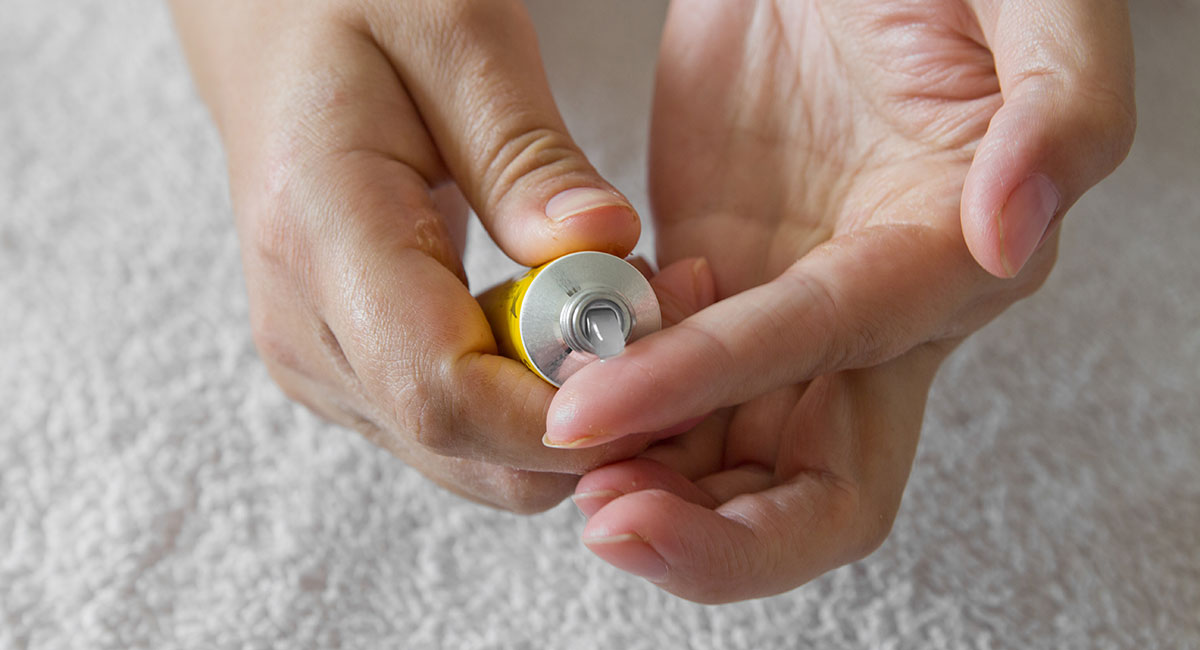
[[603, 331]]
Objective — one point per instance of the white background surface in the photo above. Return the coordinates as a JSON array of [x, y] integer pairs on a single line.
[[157, 491]]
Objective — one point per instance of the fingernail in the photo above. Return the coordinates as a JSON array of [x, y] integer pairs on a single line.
[[589, 503], [566, 444], [569, 203], [1024, 220], [629, 552]]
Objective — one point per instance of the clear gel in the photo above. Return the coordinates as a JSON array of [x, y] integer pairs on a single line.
[[603, 331]]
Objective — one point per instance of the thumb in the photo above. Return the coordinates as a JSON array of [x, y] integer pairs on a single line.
[[476, 77], [1066, 73]]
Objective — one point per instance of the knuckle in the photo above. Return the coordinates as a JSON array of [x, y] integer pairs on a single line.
[[420, 412], [273, 229], [317, 398], [1114, 116], [850, 342], [875, 532], [403, 378], [868, 523], [515, 153], [290, 388], [274, 232], [528, 493], [422, 418], [275, 345], [275, 199], [458, 26]]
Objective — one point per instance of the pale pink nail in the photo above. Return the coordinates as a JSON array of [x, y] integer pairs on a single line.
[[629, 552], [569, 203], [1024, 220]]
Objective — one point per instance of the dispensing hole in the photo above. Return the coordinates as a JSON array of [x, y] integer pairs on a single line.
[[602, 329]]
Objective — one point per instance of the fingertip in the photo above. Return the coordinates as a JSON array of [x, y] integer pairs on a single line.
[[1024, 219], [630, 553], [582, 201], [981, 231], [683, 288], [1003, 159], [644, 389], [576, 414], [603, 218], [1053, 138], [652, 515], [705, 557], [578, 219], [638, 474], [638, 262], [1003, 230], [567, 427], [533, 230], [573, 442]]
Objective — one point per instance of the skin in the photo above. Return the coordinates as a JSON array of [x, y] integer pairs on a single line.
[[855, 174], [357, 133]]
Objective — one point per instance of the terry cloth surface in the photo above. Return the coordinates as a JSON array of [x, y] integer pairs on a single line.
[[157, 490]]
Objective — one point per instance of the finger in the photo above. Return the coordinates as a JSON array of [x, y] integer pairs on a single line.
[[744, 479], [642, 266], [688, 466], [474, 72], [599, 487], [670, 465], [415, 339], [836, 488], [730, 553], [697, 452], [1066, 74], [857, 301], [682, 289]]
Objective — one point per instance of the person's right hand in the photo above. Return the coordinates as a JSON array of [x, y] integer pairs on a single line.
[[350, 128]]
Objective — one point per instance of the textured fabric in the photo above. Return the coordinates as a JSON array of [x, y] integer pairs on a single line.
[[157, 490]]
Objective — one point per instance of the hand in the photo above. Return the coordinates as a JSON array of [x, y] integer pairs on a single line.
[[351, 127], [828, 159]]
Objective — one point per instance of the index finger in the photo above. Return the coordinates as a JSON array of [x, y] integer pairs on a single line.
[[828, 498], [851, 303]]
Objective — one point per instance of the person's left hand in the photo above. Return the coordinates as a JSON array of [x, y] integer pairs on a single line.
[[837, 163]]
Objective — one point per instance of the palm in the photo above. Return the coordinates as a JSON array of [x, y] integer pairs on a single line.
[[800, 125], [784, 131]]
